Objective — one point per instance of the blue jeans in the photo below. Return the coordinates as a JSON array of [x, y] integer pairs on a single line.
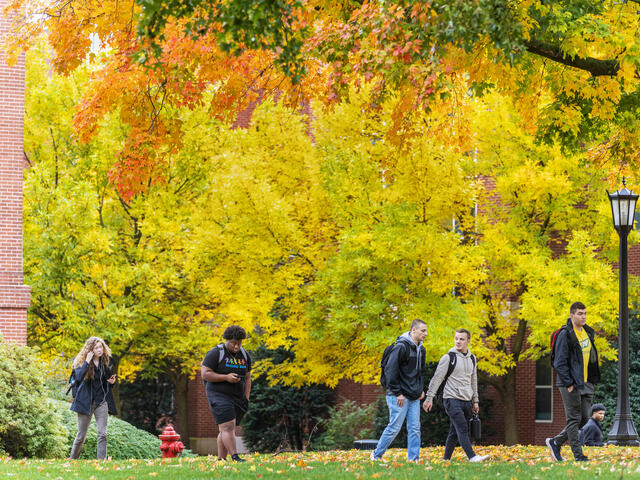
[[411, 411]]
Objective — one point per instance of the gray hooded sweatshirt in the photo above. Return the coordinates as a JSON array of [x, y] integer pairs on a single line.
[[462, 384]]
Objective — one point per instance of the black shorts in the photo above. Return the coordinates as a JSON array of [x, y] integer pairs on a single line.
[[226, 407]]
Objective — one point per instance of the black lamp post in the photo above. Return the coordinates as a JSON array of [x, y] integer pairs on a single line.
[[623, 206]]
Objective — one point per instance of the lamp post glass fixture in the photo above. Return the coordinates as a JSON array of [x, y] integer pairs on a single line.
[[623, 206]]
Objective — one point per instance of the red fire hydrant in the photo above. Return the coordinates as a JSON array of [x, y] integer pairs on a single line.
[[170, 446]]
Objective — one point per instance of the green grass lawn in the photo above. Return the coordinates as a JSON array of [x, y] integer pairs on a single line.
[[506, 463]]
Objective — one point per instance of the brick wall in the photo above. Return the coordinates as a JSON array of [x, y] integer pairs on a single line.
[[357, 392], [201, 423], [14, 295]]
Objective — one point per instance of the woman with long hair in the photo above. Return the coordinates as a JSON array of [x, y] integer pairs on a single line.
[[93, 376]]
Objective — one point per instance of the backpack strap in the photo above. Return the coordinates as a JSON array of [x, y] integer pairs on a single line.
[[70, 383], [221, 355], [452, 365], [453, 359]]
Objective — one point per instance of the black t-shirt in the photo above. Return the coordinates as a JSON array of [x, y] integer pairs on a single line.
[[230, 364], [98, 391]]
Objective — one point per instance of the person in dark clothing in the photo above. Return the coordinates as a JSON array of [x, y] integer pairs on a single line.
[[93, 376], [578, 370], [591, 433], [226, 372], [404, 372]]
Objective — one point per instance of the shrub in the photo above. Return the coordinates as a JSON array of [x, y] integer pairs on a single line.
[[145, 401], [347, 422], [30, 425], [124, 440], [280, 416]]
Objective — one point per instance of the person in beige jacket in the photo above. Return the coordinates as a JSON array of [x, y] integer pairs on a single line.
[[460, 394]]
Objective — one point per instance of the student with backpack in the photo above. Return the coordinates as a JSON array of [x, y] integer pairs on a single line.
[[403, 378], [226, 373], [91, 382], [575, 360], [458, 372]]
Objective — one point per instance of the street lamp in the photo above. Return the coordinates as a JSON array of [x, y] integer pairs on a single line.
[[623, 206]]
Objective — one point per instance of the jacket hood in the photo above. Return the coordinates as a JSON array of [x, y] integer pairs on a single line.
[[406, 338], [460, 354]]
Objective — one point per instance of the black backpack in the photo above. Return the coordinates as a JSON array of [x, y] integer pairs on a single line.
[[383, 362], [552, 343], [453, 359]]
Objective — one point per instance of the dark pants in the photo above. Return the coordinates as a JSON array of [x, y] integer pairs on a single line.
[[577, 409], [458, 411]]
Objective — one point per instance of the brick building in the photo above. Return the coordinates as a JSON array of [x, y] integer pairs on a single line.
[[14, 295]]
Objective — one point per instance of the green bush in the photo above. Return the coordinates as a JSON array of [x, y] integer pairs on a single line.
[[30, 425], [144, 401], [347, 422], [282, 417], [124, 440]]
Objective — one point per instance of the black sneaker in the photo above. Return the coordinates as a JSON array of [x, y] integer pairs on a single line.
[[555, 449], [236, 458], [582, 458]]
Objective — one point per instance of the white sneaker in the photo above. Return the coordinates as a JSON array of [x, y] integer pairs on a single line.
[[373, 458], [478, 458]]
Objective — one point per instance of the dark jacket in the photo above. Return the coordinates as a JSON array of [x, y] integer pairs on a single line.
[[568, 361], [84, 395], [405, 369], [591, 434]]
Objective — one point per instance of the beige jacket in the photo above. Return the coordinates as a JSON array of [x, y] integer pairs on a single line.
[[462, 384]]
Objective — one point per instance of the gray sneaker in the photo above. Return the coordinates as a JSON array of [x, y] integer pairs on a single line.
[[554, 449]]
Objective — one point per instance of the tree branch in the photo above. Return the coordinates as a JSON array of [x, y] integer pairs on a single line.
[[594, 66]]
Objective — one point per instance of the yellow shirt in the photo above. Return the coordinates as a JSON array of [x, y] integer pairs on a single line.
[[585, 344]]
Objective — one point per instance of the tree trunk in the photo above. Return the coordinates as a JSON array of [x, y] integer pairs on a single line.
[[508, 397], [181, 384], [506, 388]]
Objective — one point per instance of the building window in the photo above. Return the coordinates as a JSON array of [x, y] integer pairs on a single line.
[[544, 390]]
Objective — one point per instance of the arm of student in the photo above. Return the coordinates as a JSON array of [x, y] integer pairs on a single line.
[[211, 376], [392, 369], [80, 372], [561, 360], [247, 385], [437, 379], [474, 387]]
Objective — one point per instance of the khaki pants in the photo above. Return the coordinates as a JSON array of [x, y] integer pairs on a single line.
[[101, 412]]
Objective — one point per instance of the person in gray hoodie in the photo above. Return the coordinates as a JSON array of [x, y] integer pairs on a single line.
[[404, 373], [460, 394]]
